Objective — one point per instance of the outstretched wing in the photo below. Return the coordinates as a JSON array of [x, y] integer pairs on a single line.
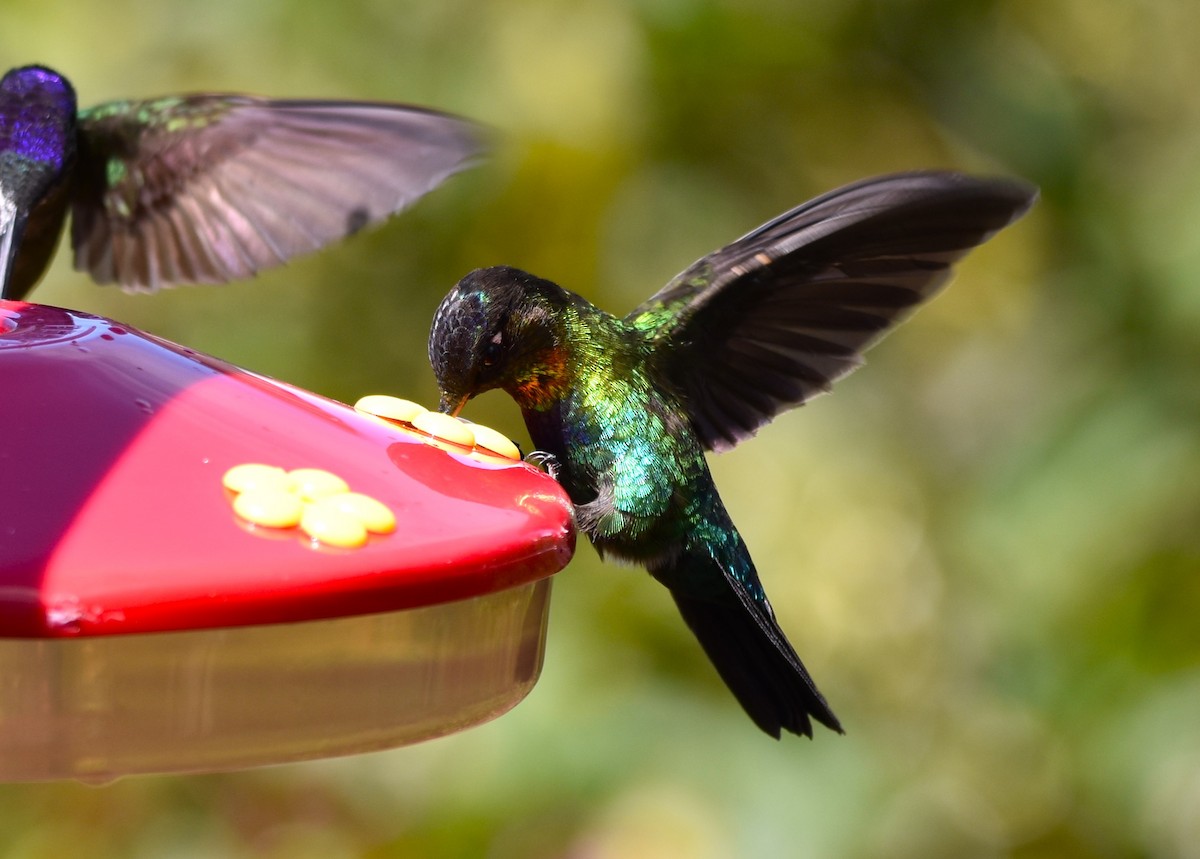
[[772, 320], [210, 188]]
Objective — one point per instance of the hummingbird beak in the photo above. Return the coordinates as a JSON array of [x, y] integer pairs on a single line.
[[451, 405]]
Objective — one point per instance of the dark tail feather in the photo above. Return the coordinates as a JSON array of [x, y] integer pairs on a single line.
[[757, 663]]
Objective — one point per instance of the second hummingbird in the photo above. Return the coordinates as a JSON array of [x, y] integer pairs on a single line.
[[202, 188], [628, 406]]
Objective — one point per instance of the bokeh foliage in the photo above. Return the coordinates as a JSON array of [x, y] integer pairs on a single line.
[[986, 545]]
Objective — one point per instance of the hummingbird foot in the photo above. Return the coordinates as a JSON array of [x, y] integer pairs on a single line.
[[544, 460]]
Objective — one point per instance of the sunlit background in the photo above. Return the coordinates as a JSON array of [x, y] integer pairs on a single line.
[[985, 545]]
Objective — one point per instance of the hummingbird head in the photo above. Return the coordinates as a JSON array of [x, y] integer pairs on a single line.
[[37, 147], [37, 115], [496, 329]]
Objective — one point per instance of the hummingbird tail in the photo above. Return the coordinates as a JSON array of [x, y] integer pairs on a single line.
[[754, 658]]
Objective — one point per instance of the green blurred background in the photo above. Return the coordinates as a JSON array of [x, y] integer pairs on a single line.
[[985, 545]]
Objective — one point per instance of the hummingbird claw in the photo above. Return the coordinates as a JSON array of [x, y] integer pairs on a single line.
[[544, 460]]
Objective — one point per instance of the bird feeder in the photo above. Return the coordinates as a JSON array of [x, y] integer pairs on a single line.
[[153, 620]]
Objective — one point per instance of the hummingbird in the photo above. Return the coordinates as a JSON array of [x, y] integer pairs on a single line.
[[205, 187], [624, 408]]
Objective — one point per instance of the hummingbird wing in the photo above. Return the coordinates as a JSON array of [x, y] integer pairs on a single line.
[[209, 188], [772, 320]]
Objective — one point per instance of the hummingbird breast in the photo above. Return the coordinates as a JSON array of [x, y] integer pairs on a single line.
[[629, 459]]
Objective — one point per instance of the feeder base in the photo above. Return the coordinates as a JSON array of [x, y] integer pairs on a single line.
[[101, 707]]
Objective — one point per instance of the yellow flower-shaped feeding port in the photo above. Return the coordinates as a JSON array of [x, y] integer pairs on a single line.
[[444, 431], [317, 502]]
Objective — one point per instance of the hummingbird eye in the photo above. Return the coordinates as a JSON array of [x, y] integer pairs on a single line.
[[492, 349]]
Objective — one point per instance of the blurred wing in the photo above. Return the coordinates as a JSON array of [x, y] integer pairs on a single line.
[[210, 188], [772, 320]]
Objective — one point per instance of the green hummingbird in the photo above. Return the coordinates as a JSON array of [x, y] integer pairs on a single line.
[[624, 408], [202, 188]]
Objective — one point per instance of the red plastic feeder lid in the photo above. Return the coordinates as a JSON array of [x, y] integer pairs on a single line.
[[114, 519], [262, 640]]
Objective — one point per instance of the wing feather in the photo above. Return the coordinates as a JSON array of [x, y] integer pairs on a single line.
[[209, 188], [774, 319]]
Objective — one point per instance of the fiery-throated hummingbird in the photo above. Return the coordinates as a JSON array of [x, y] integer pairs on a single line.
[[202, 188], [626, 407]]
